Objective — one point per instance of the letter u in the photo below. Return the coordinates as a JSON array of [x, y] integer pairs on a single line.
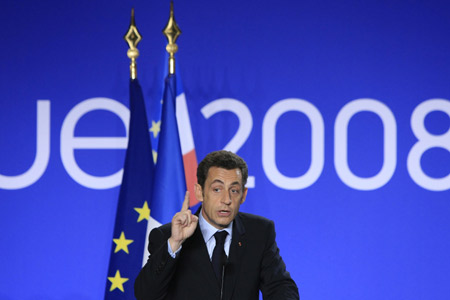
[[42, 152]]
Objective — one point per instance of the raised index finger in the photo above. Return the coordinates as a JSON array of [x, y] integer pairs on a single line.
[[185, 202]]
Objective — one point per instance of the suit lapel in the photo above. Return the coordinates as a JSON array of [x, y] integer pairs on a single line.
[[237, 249], [203, 256]]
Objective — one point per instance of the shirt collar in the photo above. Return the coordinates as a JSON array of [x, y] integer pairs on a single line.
[[208, 230]]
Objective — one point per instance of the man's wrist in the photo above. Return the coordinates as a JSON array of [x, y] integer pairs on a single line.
[[174, 245], [172, 253]]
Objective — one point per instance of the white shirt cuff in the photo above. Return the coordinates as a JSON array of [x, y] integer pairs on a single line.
[[169, 249]]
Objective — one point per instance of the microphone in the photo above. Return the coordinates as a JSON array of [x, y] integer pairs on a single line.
[[224, 262]]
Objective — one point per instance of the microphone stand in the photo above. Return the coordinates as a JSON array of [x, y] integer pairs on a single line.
[[224, 263]]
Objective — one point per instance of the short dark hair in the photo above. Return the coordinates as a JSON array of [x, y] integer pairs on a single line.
[[221, 159]]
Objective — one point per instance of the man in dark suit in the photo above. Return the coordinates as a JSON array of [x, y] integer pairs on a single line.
[[218, 252]]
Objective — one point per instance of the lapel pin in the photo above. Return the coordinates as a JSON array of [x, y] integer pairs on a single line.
[[240, 244]]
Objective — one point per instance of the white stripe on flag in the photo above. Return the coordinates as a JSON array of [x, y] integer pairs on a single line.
[[152, 223], [184, 125]]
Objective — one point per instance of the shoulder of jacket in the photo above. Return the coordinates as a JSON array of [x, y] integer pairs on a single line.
[[247, 218], [164, 230]]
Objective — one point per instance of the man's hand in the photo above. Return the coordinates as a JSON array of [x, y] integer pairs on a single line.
[[183, 225]]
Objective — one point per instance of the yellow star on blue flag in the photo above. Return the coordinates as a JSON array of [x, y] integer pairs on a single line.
[[122, 243], [144, 212], [117, 282]]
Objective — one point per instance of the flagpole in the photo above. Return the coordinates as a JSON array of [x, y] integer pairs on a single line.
[[172, 32], [133, 37]]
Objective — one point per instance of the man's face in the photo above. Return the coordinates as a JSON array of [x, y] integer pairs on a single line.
[[222, 196]]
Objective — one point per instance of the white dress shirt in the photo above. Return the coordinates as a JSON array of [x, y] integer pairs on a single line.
[[208, 232]]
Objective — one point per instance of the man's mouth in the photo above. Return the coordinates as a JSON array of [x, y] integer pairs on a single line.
[[224, 213]]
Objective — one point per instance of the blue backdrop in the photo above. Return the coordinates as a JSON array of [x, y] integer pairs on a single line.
[[341, 109]]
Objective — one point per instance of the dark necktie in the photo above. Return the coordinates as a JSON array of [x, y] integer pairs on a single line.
[[219, 257]]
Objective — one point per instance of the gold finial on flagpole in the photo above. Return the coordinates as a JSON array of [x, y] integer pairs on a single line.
[[133, 37], [172, 32]]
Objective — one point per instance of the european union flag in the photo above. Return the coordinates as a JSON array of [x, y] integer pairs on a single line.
[[134, 200]]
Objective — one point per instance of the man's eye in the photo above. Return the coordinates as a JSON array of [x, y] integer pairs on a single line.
[[216, 189]]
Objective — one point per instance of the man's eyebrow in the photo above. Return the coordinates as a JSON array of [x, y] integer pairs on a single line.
[[217, 181], [221, 182]]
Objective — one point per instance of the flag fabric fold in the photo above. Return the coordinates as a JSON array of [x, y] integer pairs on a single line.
[[133, 205]]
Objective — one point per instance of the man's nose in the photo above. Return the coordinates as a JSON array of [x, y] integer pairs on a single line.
[[227, 198]]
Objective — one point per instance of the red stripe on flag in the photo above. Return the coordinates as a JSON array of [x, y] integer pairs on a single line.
[[190, 172]]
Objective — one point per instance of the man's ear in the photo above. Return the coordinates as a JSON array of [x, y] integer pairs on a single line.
[[243, 195], [198, 192]]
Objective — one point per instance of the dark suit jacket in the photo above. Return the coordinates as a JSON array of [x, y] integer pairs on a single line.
[[254, 264]]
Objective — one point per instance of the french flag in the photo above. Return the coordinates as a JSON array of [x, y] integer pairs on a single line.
[[187, 146], [176, 164]]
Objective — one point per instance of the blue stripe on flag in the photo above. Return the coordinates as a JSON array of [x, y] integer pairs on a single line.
[[169, 185]]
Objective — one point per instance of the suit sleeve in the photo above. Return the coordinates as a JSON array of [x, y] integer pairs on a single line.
[[153, 280], [276, 282]]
